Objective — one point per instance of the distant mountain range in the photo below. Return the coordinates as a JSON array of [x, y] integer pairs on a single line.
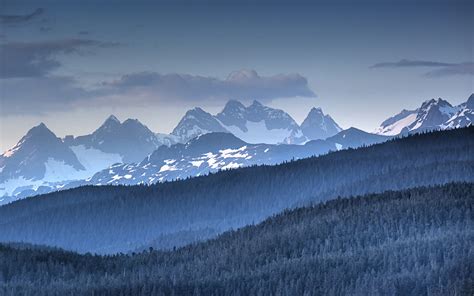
[[257, 124], [128, 152], [42, 162], [432, 115], [110, 219], [220, 151]]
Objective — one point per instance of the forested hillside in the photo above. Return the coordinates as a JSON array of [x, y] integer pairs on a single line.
[[118, 219], [413, 242]]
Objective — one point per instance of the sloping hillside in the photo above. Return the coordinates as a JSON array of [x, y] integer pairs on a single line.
[[413, 242]]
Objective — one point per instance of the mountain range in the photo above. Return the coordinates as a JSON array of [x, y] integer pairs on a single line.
[[256, 123], [221, 151], [128, 152], [434, 114], [34, 166], [110, 219]]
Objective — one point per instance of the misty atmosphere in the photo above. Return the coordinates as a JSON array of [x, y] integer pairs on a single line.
[[236, 147]]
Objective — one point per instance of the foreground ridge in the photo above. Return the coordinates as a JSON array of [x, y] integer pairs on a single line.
[[410, 242]]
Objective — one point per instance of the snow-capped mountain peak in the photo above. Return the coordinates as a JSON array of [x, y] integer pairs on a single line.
[[196, 122], [255, 123], [109, 124], [464, 115], [256, 104], [431, 115], [318, 125], [38, 157], [258, 123], [112, 118], [36, 136], [438, 105], [130, 139], [470, 102]]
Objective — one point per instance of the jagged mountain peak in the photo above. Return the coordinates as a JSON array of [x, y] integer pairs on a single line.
[[133, 122], [256, 104], [318, 125], [130, 139], [464, 115], [196, 122], [40, 130], [112, 118], [39, 155], [233, 107], [110, 122], [36, 136], [431, 115], [197, 110], [439, 102], [257, 123], [316, 109], [470, 102], [233, 104], [112, 126]]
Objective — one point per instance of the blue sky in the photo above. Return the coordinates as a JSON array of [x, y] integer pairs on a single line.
[[72, 63]]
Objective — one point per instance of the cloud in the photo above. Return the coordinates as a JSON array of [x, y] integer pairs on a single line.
[[457, 69], [410, 63], [83, 33], [15, 19], [243, 84], [443, 69], [34, 59], [37, 95]]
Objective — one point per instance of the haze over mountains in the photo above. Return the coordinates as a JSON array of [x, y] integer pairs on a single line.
[[109, 219], [128, 152], [256, 123]]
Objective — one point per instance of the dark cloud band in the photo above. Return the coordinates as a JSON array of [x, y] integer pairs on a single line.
[[15, 19], [241, 84], [34, 59], [411, 63], [443, 69], [147, 88], [457, 69]]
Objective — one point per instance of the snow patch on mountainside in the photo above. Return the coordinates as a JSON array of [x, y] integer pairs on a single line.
[[9, 186], [57, 171], [10, 152], [257, 132], [94, 160], [236, 153], [434, 114], [397, 127]]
